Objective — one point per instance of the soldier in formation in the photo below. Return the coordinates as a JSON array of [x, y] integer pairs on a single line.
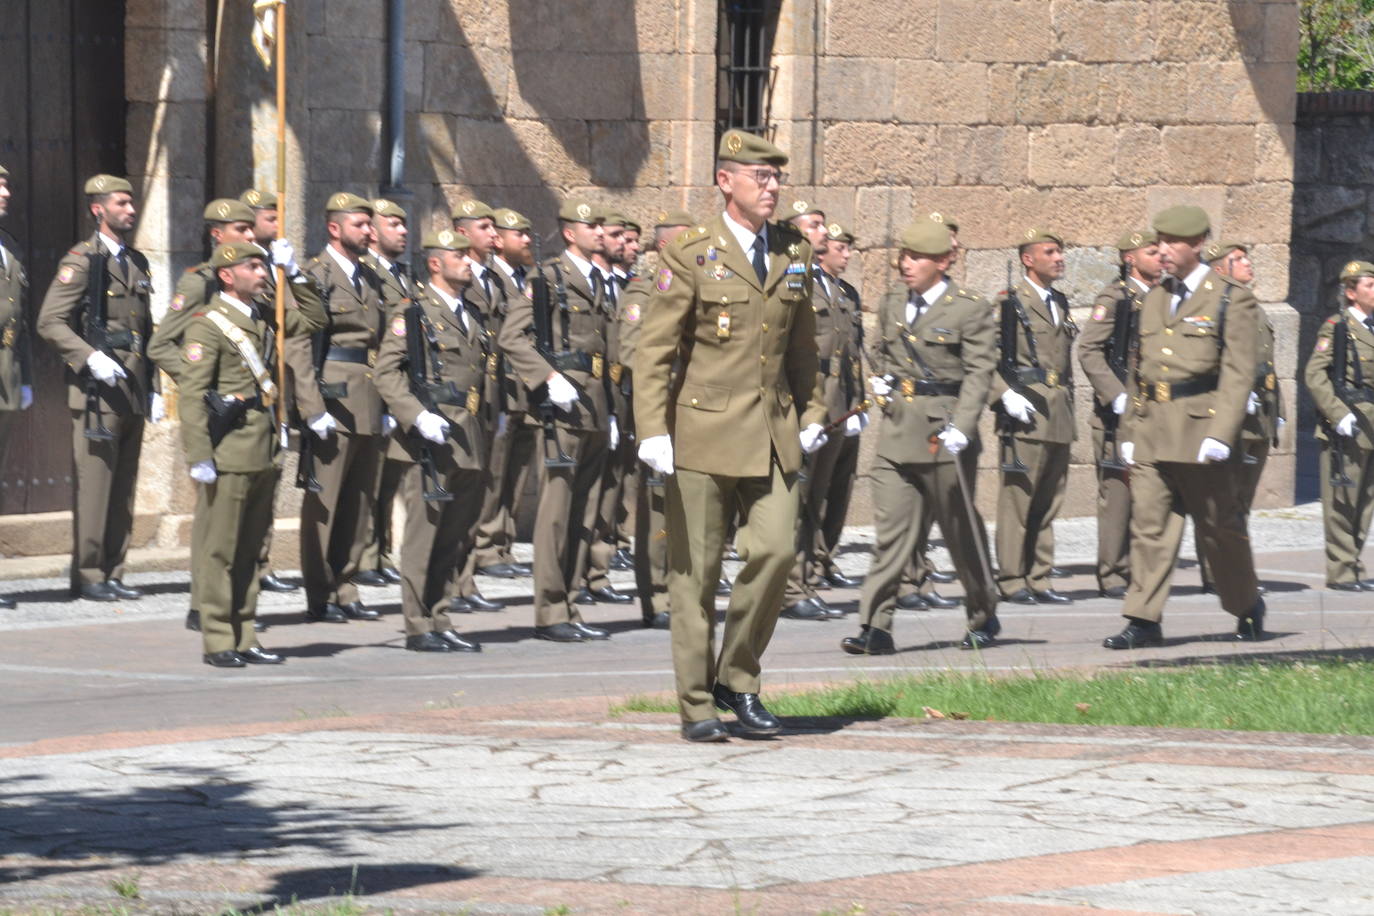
[[16, 358]]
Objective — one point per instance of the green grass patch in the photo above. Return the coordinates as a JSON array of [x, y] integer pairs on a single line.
[[1324, 697]]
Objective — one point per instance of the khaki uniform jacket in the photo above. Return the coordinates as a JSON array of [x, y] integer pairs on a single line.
[[355, 321], [60, 322], [1263, 424], [748, 376], [16, 361], [634, 304], [462, 360], [1095, 342], [839, 343], [1318, 376], [1190, 345], [510, 394], [957, 340], [1053, 420], [211, 362], [588, 322]]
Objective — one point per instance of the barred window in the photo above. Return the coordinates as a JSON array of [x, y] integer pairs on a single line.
[[745, 74]]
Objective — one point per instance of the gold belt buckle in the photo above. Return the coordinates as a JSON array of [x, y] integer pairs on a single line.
[[7, 339], [1270, 382], [371, 356], [598, 365], [617, 370], [908, 388], [1052, 378], [474, 401], [1162, 392], [491, 364]]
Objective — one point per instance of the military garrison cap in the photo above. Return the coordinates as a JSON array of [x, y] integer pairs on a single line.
[[1136, 238], [473, 209], [1184, 221], [344, 202], [670, 218], [108, 184], [1036, 234], [228, 210], [4, 172], [802, 208], [749, 149], [936, 216], [383, 207], [1215, 251], [259, 200], [446, 240], [615, 218], [837, 233], [511, 219], [232, 253], [926, 237], [579, 211], [632, 225], [1356, 269]]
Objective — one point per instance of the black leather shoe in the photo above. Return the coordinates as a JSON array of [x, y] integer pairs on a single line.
[[1346, 586], [608, 595], [622, 560], [1138, 633], [193, 620], [1208, 588], [522, 569], [913, 602], [723, 587], [840, 580], [1021, 596], [584, 597], [731, 554], [258, 625], [457, 605], [984, 637], [369, 577], [1116, 591], [328, 613], [478, 603], [560, 632], [1057, 573], [127, 592], [660, 621], [705, 731], [427, 642], [1367, 584], [498, 571], [805, 609], [356, 610], [391, 574], [935, 599], [1050, 596], [457, 643], [831, 612], [748, 709], [98, 591], [870, 641], [229, 659], [1250, 628], [257, 655], [942, 578], [590, 632], [270, 583], [7, 603]]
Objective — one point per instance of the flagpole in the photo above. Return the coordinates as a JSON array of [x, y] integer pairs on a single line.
[[281, 212]]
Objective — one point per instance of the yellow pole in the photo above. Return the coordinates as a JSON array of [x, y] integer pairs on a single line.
[[281, 214]]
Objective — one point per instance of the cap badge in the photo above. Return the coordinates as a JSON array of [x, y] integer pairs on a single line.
[[937, 217], [1352, 267], [468, 206], [253, 197], [100, 182], [584, 211], [734, 142], [222, 210], [446, 237], [834, 230], [511, 220]]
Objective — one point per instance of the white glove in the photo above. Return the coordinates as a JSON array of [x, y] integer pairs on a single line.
[[25, 397], [1252, 404], [955, 441], [879, 385], [615, 433], [855, 425], [1279, 423], [502, 422], [1213, 450], [432, 426], [1119, 404], [204, 472], [1018, 408], [104, 369], [388, 424], [657, 453], [812, 438], [1128, 452], [284, 256], [561, 391], [157, 408], [323, 425], [1347, 425]]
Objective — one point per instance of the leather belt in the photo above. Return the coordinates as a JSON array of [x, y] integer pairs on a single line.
[[1170, 391], [123, 340], [579, 361], [1033, 376], [363, 355], [910, 387]]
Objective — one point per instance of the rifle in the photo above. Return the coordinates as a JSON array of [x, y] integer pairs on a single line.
[[1123, 332], [98, 336], [1340, 360], [420, 337], [543, 343], [305, 470], [1011, 320]]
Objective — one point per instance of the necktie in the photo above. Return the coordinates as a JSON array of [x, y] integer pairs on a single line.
[[1050, 307], [122, 259], [398, 274], [486, 284], [519, 275], [1180, 290], [760, 260], [1369, 323], [611, 288], [358, 282], [4, 260], [594, 278]]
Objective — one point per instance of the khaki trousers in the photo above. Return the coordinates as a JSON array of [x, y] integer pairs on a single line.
[[824, 501], [512, 456], [1162, 493], [651, 544], [1027, 506], [699, 507], [103, 510], [604, 541], [436, 541], [1346, 511], [379, 551], [233, 515], [1247, 483], [335, 521], [568, 502], [1113, 522]]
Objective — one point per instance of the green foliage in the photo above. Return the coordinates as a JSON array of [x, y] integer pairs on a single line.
[[1337, 45], [126, 886]]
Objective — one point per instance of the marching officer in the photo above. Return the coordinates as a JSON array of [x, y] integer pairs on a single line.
[[560, 357], [1195, 368], [337, 400], [432, 372], [1344, 395], [229, 431], [1102, 353], [1033, 392], [933, 367], [96, 315], [729, 427], [16, 360]]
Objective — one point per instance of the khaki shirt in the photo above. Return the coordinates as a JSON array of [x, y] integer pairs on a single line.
[[16, 360], [748, 376], [60, 323], [1360, 352], [1095, 340], [1053, 420]]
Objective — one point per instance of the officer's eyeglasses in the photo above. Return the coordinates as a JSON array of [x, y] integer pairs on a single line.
[[763, 176]]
